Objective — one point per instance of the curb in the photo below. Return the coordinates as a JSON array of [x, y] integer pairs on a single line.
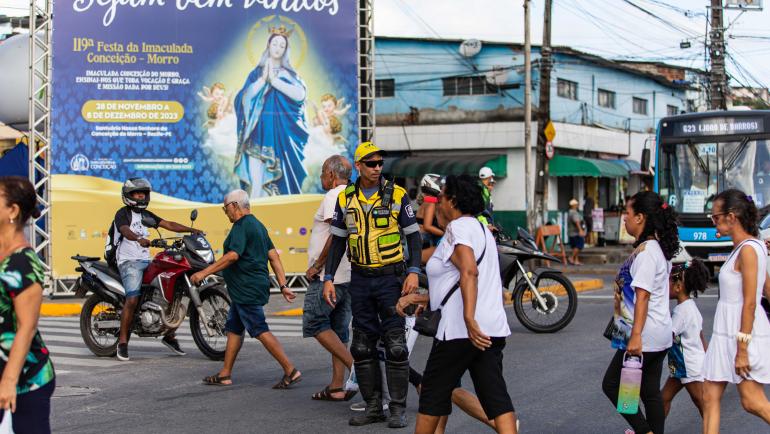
[[580, 286], [60, 309]]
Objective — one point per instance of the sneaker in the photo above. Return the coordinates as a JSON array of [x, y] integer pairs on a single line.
[[173, 345], [123, 352], [361, 406]]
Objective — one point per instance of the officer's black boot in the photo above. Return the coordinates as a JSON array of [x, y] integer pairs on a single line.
[[397, 373], [364, 351], [370, 384]]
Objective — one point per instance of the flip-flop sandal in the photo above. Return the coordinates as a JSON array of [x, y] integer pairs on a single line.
[[288, 380], [216, 380]]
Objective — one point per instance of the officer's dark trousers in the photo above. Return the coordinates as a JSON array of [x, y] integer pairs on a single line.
[[373, 299]]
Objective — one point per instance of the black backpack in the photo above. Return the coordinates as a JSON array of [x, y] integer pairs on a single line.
[[114, 237]]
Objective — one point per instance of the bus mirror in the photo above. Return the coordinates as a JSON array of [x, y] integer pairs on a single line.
[[645, 160]]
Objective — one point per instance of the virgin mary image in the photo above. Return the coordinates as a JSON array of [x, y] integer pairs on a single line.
[[272, 132]]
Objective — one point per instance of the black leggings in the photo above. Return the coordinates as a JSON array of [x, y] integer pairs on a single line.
[[33, 411], [650, 391]]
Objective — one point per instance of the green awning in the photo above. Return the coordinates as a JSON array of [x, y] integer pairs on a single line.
[[562, 165], [415, 167]]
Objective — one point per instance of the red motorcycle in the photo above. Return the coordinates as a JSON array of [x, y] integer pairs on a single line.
[[165, 299]]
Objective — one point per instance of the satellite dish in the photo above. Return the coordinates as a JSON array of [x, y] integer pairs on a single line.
[[497, 76], [470, 47]]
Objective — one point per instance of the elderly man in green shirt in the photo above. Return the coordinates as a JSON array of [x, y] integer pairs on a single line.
[[247, 250]]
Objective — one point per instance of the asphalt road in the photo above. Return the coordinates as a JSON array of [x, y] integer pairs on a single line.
[[554, 381]]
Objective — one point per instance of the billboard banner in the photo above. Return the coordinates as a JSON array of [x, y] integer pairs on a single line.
[[202, 96]]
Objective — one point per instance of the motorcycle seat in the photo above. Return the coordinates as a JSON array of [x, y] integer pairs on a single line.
[[105, 268], [81, 258]]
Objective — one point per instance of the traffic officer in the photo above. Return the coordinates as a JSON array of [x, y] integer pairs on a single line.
[[368, 221]]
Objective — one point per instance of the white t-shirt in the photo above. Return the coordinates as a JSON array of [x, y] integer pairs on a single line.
[[321, 232], [650, 272], [685, 358], [131, 250], [443, 275]]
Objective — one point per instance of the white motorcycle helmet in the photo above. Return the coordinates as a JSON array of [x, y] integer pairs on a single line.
[[133, 185], [430, 185]]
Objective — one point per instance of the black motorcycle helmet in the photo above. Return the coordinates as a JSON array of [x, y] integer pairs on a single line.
[[133, 185]]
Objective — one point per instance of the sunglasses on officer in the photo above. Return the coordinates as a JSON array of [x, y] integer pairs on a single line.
[[373, 163]]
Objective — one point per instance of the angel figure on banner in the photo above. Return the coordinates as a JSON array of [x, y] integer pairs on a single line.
[[326, 138], [271, 128], [220, 122]]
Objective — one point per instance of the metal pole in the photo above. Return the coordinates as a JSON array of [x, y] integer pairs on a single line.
[[527, 119], [366, 97], [39, 134]]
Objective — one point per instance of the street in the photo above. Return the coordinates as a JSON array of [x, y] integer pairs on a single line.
[[554, 381]]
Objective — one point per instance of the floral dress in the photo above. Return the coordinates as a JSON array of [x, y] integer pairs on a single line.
[[18, 272]]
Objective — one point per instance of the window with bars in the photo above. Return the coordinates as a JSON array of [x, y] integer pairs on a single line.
[[606, 99], [474, 85], [385, 88], [672, 110], [640, 106], [567, 89]]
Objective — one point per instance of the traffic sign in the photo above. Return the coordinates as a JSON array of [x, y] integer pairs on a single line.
[[550, 132], [549, 149]]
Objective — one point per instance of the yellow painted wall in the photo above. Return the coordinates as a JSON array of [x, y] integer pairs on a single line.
[[83, 208]]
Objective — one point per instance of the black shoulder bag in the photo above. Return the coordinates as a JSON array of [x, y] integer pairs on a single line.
[[426, 323]]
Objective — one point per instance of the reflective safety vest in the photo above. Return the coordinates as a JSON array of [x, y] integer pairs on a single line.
[[374, 239]]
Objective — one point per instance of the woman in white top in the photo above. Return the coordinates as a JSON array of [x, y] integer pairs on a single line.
[[471, 334], [642, 320], [739, 351]]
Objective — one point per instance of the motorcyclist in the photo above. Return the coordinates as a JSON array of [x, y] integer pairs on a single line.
[[487, 179], [427, 217], [133, 255]]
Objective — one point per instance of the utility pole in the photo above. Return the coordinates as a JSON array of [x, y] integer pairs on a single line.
[[528, 205], [717, 53], [543, 116]]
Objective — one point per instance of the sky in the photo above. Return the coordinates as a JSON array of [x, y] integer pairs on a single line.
[[611, 28]]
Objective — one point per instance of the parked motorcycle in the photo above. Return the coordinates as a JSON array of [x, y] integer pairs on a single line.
[[165, 299], [544, 299]]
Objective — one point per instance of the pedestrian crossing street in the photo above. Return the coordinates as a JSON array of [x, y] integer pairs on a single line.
[[70, 354]]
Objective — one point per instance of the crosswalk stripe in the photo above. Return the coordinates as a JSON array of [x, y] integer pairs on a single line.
[[70, 354]]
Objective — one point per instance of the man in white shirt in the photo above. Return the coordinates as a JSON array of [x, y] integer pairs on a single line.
[[330, 326]]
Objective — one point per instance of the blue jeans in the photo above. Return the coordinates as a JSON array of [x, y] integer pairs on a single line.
[[131, 273], [318, 316]]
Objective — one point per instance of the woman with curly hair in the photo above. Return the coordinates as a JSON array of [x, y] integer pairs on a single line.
[[739, 351], [464, 276], [642, 321]]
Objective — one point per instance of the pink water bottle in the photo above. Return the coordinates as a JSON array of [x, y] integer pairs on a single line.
[[630, 384]]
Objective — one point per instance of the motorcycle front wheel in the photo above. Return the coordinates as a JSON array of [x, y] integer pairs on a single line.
[[100, 326], [215, 306], [560, 299]]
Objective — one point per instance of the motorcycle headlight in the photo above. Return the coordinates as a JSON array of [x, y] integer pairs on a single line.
[[206, 254]]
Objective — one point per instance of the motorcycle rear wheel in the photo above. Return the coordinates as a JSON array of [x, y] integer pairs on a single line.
[[101, 343], [557, 290], [216, 305]]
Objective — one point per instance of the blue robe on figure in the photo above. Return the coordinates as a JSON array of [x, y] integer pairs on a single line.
[[274, 132]]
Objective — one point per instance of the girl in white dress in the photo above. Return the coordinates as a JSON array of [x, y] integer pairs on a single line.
[[739, 351]]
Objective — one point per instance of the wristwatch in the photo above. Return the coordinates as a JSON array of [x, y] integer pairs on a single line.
[[282, 287]]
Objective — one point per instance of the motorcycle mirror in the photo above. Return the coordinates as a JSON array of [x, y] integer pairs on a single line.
[[149, 221], [194, 215]]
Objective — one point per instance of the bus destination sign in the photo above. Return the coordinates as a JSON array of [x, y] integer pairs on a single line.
[[718, 126]]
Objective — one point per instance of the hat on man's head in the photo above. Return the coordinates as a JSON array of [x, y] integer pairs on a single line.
[[573, 202], [486, 172], [366, 149]]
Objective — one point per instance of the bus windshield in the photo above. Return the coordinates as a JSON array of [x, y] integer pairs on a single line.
[[692, 174]]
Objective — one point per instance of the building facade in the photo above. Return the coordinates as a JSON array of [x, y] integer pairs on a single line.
[[439, 111]]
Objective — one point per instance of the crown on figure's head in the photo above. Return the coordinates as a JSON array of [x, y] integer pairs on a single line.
[[281, 30]]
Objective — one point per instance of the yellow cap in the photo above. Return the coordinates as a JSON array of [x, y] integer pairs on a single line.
[[365, 149]]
